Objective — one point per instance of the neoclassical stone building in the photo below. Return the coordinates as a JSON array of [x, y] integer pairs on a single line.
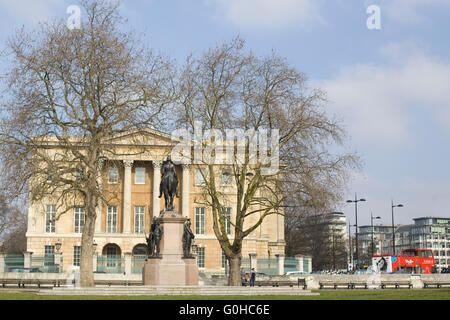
[[134, 178]]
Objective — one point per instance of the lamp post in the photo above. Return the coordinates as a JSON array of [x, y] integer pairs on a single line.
[[350, 244], [371, 223], [356, 224], [393, 228]]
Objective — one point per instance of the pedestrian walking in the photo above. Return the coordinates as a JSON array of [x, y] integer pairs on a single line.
[[252, 277], [243, 278]]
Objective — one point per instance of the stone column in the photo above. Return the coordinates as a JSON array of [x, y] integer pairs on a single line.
[[299, 262], [128, 164], [186, 190], [127, 263], [156, 181], [309, 265], [280, 263], [2, 262], [253, 261], [57, 260], [94, 262], [27, 259], [98, 209]]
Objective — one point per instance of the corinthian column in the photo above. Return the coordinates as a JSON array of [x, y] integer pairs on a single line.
[[156, 182], [128, 164], [186, 190]]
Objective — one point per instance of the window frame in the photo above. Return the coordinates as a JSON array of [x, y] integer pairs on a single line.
[[226, 213], [140, 220], [136, 169], [201, 257], [116, 175], [198, 175], [200, 220], [76, 256], [50, 219], [112, 219], [79, 227]]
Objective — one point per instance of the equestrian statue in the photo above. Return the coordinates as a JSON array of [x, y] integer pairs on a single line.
[[169, 184]]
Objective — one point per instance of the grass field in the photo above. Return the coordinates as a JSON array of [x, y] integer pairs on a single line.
[[438, 294]]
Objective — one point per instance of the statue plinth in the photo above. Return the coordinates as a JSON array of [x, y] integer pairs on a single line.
[[170, 268]]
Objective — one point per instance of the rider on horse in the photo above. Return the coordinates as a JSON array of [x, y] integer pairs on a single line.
[[169, 183]]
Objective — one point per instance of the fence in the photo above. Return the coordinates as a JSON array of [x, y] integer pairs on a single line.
[[47, 263], [13, 261], [290, 264], [267, 266], [110, 264], [137, 263]]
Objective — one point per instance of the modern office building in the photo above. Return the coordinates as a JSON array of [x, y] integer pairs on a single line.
[[426, 232]]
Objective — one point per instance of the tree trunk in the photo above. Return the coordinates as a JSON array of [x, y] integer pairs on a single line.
[[234, 279], [86, 263], [87, 240]]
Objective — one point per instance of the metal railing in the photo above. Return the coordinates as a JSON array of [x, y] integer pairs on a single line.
[[13, 261], [137, 263], [47, 263], [110, 264], [267, 266], [290, 264]]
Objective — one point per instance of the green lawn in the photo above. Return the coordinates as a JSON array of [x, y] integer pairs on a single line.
[[402, 294]]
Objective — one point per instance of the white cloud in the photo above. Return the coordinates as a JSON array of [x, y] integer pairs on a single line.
[[379, 102], [273, 14]]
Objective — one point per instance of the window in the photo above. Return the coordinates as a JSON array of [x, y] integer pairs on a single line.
[[200, 177], [76, 256], [111, 224], [113, 175], [79, 220], [226, 212], [139, 219], [139, 176], [49, 256], [200, 257], [111, 256], [140, 250], [200, 220], [50, 215], [224, 260], [226, 178]]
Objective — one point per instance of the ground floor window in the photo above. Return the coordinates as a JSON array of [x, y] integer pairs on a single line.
[[201, 257], [76, 256]]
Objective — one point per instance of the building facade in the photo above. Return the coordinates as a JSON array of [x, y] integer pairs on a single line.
[[133, 178]]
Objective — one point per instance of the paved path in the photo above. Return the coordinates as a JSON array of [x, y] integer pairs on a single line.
[[172, 290]]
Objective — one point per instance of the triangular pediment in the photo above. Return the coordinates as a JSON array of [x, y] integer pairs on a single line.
[[143, 137]]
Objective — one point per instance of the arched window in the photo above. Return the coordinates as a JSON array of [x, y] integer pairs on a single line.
[[140, 250]]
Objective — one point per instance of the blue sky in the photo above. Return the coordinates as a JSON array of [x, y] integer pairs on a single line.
[[391, 87]]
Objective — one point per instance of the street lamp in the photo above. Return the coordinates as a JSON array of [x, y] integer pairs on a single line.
[[371, 223], [356, 224], [393, 228], [58, 245], [350, 243], [94, 247]]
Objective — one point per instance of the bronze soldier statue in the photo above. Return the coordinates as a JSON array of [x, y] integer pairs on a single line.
[[154, 238], [188, 236]]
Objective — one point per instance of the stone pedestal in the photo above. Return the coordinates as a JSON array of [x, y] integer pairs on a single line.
[[170, 268]]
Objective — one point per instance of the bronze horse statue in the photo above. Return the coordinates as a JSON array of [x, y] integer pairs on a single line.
[[169, 184]]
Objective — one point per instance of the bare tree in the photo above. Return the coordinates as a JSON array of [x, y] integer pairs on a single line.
[[68, 93], [230, 88]]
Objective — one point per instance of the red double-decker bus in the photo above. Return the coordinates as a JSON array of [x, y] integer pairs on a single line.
[[408, 261]]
